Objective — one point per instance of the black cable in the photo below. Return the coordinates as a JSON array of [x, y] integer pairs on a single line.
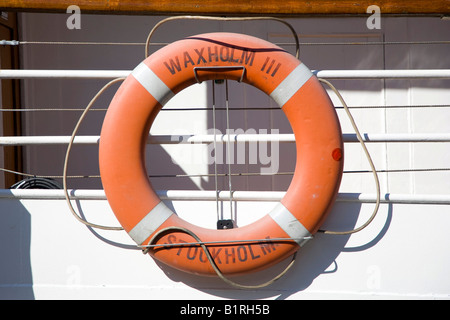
[[36, 183]]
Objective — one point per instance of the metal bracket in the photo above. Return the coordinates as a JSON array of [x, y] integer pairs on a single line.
[[219, 69], [225, 224]]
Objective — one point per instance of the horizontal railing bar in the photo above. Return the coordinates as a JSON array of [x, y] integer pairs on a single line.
[[46, 140], [383, 74], [398, 137], [327, 74], [223, 138], [62, 74], [201, 195]]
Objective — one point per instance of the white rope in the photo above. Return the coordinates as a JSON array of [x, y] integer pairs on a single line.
[[66, 160], [369, 159]]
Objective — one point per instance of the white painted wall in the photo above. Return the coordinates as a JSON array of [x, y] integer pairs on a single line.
[[402, 254]]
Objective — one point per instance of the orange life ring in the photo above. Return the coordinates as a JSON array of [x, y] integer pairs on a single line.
[[297, 91]]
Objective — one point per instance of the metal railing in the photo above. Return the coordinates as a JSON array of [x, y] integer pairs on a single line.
[[235, 138], [326, 74]]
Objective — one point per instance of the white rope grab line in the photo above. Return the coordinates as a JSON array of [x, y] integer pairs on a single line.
[[66, 159], [370, 161]]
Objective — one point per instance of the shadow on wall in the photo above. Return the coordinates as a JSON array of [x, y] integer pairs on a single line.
[[16, 279], [317, 258]]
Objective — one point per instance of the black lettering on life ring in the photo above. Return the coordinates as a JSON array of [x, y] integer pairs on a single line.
[[270, 66], [213, 54], [187, 59], [223, 255], [200, 55], [174, 65]]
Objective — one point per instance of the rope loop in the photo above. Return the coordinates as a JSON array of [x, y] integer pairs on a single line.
[[213, 263]]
